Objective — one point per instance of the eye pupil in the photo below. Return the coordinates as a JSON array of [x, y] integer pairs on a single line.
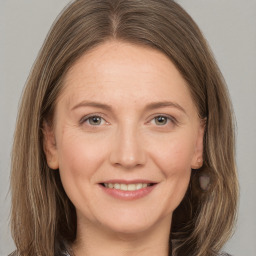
[[161, 120], [95, 120]]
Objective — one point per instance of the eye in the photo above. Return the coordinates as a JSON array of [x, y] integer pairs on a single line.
[[93, 120], [162, 120]]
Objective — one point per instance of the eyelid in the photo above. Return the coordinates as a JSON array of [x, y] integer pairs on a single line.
[[171, 118], [86, 117]]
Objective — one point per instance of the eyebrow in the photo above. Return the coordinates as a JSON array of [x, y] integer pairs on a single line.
[[162, 104], [92, 104], [150, 106]]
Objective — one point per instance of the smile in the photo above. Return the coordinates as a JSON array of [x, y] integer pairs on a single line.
[[127, 187], [127, 190]]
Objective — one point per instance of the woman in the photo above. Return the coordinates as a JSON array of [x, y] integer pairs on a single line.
[[124, 137]]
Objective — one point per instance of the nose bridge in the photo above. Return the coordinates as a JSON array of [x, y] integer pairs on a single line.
[[127, 150]]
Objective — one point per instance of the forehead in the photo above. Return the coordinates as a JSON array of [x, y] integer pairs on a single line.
[[125, 73]]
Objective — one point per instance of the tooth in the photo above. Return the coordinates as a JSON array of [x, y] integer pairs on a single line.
[[117, 186], [139, 186], [131, 187], [123, 186]]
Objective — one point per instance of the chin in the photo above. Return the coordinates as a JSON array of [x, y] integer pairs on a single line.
[[134, 223]]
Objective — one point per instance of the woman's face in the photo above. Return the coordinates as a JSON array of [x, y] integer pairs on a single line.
[[125, 119]]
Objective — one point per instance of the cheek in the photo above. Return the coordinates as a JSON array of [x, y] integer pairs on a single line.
[[174, 154], [173, 158], [79, 154], [79, 160]]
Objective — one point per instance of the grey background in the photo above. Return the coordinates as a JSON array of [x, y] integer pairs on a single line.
[[230, 28]]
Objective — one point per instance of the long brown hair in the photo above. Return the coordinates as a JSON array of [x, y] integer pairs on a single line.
[[42, 216]]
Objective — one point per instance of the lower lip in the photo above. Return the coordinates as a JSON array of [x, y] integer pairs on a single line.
[[128, 195]]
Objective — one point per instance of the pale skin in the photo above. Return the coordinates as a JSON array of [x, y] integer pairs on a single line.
[[125, 113]]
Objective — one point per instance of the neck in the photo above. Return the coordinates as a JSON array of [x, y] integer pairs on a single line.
[[92, 241]]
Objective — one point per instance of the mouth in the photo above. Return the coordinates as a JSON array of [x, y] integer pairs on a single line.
[[127, 190], [127, 187]]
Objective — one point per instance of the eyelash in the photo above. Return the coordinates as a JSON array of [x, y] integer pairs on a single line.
[[87, 118], [169, 118]]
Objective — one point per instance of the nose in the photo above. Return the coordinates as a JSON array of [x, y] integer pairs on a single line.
[[127, 149]]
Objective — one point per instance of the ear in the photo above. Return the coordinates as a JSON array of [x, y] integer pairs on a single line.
[[197, 160], [49, 146]]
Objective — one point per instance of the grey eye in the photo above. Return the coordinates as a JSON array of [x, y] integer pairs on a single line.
[[95, 120], [161, 120]]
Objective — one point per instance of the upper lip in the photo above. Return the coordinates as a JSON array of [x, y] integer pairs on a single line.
[[136, 181]]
